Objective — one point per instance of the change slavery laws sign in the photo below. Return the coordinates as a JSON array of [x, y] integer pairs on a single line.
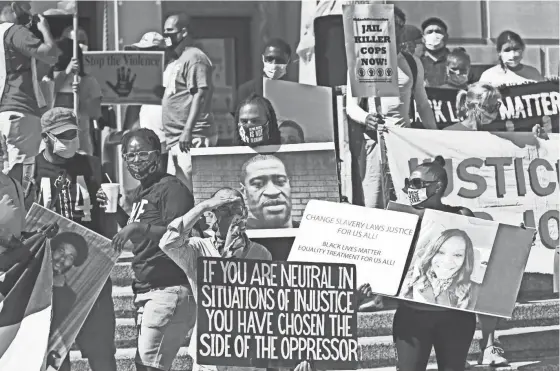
[[276, 314]]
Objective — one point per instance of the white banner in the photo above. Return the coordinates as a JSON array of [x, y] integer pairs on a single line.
[[511, 178]]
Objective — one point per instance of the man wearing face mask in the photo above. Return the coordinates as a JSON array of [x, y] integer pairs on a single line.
[[458, 70], [187, 115], [434, 60], [66, 182], [276, 58]]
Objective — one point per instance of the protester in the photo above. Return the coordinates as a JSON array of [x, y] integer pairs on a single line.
[[412, 41], [21, 96], [257, 124], [187, 117], [419, 327], [510, 71], [396, 112], [230, 241], [276, 58], [58, 89], [162, 295], [64, 181], [435, 53], [266, 187], [83, 39], [291, 133], [458, 70]]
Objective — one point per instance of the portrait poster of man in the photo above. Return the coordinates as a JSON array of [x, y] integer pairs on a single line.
[[276, 182], [305, 113], [465, 263], [82, 261]]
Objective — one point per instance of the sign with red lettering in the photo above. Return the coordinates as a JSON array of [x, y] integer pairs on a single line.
[[511, 178]]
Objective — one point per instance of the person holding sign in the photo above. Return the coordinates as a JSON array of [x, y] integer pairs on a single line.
[[230, 241], [510, 71], [65, 182], [394, 111], [257, 124]]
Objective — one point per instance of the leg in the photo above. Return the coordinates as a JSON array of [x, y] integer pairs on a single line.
[[453, 338], [165, 318], [96, 339], [23, 137], [490, 354], [413, 337], [180, 165], [372, 176]]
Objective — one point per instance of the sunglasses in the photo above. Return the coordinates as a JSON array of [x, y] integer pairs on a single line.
[[491, 108], [417, 183], [228, 210], [141, 155]]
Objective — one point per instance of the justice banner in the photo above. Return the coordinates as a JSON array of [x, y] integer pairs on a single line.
[[511, 178], [522, 106], [371, 49], [127, 77], [275, 314]]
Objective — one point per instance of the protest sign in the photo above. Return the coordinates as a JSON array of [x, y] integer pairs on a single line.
[[276, 314], [507, 177], [276, 181], [371, 49], [465, 263], [522, 107], [309, 107], [377, 241], [129, 77], [76, 290]]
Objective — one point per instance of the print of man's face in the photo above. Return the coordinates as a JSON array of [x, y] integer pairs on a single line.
[[63, 257], [268, 192], [450, 257]]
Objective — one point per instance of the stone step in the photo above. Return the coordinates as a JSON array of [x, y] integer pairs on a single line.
[[520, 344], [533, 285]]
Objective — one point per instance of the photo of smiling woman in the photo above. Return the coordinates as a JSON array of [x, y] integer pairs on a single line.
[[442, 274]]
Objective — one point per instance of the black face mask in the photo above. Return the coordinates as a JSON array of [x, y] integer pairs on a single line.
[[171, 39]]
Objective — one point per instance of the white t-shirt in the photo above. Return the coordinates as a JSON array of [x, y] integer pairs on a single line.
[[12, 208], [497, 76]]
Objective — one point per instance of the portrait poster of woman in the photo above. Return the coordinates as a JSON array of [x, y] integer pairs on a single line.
[[450, 260]]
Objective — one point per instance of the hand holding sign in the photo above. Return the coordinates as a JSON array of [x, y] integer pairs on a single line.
[[123, 86]]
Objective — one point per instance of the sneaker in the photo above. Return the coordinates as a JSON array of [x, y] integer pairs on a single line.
[[493, 356]]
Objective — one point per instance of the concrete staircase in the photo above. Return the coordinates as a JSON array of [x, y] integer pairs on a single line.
[[530, 338]]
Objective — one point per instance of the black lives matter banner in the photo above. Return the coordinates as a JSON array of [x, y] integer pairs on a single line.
[[276, 314], [522, 105]]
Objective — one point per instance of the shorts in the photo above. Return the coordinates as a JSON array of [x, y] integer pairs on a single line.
[[23, 137], [165, 317]]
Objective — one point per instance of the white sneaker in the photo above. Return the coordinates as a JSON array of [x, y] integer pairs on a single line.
[[493, 356]]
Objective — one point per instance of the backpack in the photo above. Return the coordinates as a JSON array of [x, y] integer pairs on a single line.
[[414, 69]]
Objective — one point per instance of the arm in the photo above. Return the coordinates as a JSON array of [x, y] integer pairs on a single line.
[[198, 81], [29, 45], [421, 98], [353, 109]]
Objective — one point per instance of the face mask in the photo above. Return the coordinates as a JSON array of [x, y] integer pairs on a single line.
[[171, 39], [509, 59], [84, 47], [253, 135], [433, 41], [142, 169], [274, 71], [483, 117], [457, 79], [417, 196], [65, 148]]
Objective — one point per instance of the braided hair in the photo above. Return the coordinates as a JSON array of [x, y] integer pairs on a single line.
[[273, 131]]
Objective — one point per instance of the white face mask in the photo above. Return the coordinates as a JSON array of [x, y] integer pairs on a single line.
[[65, 148], [433, 41], [417, 196], [274, 71], [84, 47]]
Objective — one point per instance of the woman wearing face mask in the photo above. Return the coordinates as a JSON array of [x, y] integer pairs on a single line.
[[510, 71], [419, 327], [163, 296], [442, 273], [58, 89], [257, 124], [458, 69]]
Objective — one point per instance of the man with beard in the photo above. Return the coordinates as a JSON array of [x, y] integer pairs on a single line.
[[66, 182], [187, 118], [268, 192]]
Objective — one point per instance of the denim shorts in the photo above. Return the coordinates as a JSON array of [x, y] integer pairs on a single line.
[[164, 319]]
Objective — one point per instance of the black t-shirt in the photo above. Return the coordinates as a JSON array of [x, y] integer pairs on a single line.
[[157, 204], [69, 189]]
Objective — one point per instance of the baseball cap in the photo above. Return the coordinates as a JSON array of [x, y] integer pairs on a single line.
[[57, 120], [411, 33], [149, 40]]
